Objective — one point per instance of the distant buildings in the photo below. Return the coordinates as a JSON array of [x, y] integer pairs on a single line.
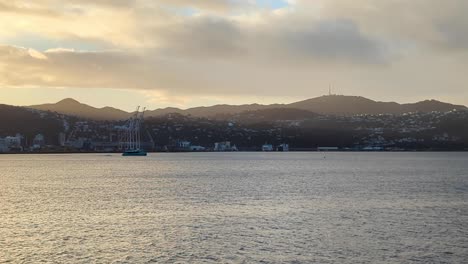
[[38, 141], [224, 146], [11, 143], [283, 147], [267, 147], [77, 143], [177, 133], [3, 145], [62, 139], [178, 146], [183, 144], [14, 142], [372, 148]]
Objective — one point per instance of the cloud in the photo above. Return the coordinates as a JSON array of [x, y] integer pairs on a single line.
[[434, 24], [325, 40], [145, 71], [204, 36], [107, 69], [25, 9], [36, 54], [181, 48], [281, 39], [202, 54]]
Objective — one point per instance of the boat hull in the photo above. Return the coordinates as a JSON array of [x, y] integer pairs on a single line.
[[135, 153]]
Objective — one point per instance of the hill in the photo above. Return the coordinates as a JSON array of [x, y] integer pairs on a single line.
[[328, 105], [273, 115], [212, 111], [74, 108], [14, 119], [250, 129], [431, 105], [352, 105]]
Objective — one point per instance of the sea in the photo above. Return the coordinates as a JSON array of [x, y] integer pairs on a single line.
[[245, 207]]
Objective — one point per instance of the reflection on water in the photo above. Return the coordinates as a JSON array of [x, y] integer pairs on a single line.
[[235, 207]]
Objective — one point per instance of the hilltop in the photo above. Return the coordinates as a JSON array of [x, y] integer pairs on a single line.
[[72, 107]]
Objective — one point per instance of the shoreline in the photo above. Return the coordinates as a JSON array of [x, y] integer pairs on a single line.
[[291, 151]]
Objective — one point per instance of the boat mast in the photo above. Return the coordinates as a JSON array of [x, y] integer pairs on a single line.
[[135, 129], [131, 138], [140, 121]]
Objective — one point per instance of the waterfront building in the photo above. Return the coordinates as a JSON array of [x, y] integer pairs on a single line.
[[13, 142], [62, 139], [3, 145], [183, 144], [267, 147], [283, 147], [223, 146], [38, 141]]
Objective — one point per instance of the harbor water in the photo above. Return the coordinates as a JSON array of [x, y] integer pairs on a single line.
[[234, 208]]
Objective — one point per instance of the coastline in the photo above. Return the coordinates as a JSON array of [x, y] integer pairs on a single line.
[[241, 151]]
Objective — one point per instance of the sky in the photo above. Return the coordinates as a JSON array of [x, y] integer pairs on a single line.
[[186, 53]]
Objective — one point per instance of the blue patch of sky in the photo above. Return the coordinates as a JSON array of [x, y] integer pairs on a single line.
[[183, 11], [272, 4], [190, 11]]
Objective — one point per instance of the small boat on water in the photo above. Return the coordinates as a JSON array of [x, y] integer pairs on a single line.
[[131, 137], [136, 152]]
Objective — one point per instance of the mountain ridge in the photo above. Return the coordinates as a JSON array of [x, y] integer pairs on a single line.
[[328, 104], [70, 106]]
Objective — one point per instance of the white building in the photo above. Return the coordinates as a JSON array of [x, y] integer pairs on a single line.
[[38, 141], [3, 145], [62, 139], [13, 142], [283, 147], [183, 144], [223, 146], [267, 147]]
